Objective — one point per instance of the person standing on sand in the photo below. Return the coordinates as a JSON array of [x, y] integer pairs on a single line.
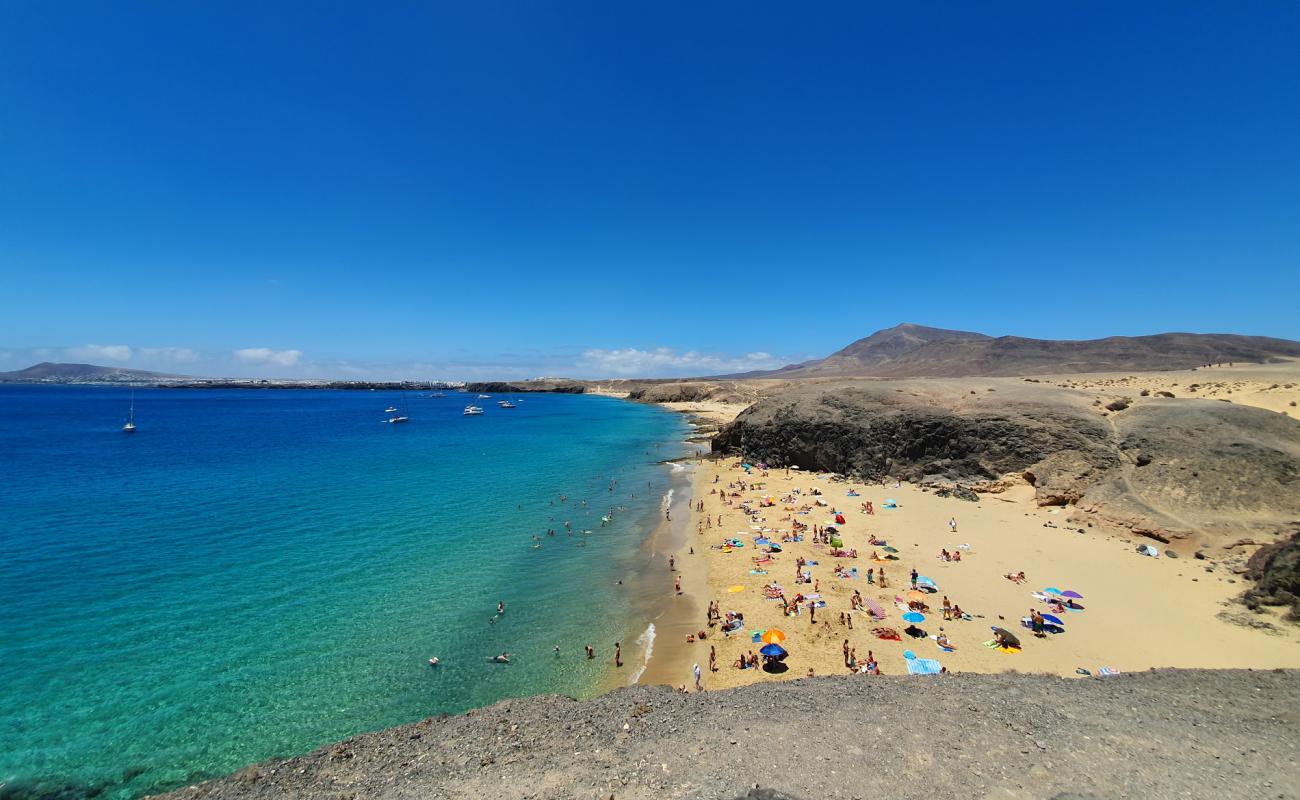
[[678, 584], [882, 578], [713, 659], [952, 524], [672, 562], [618, 654], [915, 575], [696, 671]]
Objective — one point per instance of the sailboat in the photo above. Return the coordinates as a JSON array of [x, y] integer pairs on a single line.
[[129, 427]]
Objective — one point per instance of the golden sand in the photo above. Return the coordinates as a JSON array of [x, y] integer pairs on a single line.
[[1139, 612]]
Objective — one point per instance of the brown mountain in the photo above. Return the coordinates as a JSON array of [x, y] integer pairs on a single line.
[[49, 372], [915, 351]]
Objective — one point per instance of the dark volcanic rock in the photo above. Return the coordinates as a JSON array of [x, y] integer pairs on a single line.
[[911, 429], [520, 387], [1164, 469], [1275, 569]]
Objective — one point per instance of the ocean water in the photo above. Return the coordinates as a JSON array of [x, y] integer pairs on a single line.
[[256, 573]]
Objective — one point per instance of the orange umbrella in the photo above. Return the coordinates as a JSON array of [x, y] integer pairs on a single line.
[[774, 636], [916, 595]]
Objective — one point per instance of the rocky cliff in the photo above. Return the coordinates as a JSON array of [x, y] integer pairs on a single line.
[[1163, 466]]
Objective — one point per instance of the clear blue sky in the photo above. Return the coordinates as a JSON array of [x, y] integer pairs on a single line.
[[584, 187]]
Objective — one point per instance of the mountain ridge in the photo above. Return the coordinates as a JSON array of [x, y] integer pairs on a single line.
[[55, 372], [908, 350]]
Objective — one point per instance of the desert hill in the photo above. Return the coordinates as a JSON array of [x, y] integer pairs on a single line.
[[914, 351], [49, 372]]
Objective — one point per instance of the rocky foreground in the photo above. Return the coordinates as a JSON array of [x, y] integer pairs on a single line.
[[1170, 733]]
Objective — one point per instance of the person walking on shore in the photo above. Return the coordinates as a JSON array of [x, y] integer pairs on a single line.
[[713, 659], [590, 652], [618, 654], [915, 575], [696, 670]]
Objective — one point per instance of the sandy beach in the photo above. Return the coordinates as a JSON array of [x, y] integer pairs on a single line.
[[1138, 612]]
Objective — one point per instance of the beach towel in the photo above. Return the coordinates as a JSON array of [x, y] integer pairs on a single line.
[[1107, 672], [923, 666], [876, 611]]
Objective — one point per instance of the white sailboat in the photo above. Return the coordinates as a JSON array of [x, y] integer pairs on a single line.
[[473, 411], [129, 427]]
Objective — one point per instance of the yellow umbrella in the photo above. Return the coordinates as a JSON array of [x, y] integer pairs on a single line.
[[773, 636], [736, 588]]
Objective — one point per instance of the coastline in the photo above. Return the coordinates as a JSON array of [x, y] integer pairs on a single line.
[[1141, 613], [680, 615]]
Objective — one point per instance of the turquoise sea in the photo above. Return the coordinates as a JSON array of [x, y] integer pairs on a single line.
[[255, 573]]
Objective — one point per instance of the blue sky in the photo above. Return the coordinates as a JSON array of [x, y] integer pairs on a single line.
[[509, 189]]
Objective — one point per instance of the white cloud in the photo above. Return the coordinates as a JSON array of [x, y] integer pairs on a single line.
[[265, 355], [179, 355], [100, 352], [664, 361]]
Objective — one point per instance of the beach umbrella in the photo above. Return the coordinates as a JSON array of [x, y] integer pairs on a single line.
[[1055, 620], [924, 581], [1073, 595], [772, 651], [890, 549], [1051, 590], [773, 636], [1007, 636], [915, 595], [914, 616]]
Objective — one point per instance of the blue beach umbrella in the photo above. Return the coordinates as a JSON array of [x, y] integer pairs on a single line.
[[924, 581], [914, 616], [1055, 620], [1051, 590], [772, 651]]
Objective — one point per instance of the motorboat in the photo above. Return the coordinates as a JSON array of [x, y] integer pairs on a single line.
[[390, 410], [473, 411]]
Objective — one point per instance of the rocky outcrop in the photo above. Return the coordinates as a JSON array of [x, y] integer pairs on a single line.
[[916, 429], [1166, 469], [521, 387], [939, 738], [1275, 569]]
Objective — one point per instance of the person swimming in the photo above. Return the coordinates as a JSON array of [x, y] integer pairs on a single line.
[[504, 658], [433, 662]]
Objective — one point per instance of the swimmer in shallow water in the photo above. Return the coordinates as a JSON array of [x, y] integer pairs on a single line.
[[504, 658]]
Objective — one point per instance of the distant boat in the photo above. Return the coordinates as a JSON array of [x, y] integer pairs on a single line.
[[390, 410], [473, 411], [485, 397], [129, 427], [397, 419], [437, 394], [506, 404]]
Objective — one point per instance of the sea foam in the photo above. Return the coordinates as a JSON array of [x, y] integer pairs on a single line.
[[646, 640]]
